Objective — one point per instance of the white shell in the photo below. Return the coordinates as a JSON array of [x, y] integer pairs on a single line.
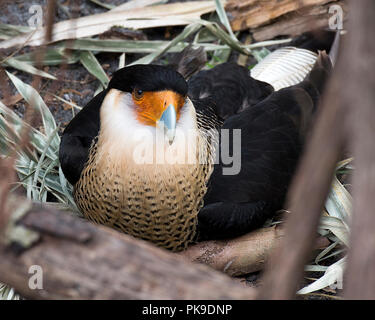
[[284, 67]]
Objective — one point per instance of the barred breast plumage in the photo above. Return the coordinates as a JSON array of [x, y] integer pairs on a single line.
[[158, 202]]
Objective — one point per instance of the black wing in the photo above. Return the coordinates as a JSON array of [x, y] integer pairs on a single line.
[[272, 136], [77, 138], [229, 87]]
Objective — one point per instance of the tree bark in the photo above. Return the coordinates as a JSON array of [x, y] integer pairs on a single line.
[[347, 118], [269, 19], [84, 261], [296, 23], [360, 87], [78, 259]]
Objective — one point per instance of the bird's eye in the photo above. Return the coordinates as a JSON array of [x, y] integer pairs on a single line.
[[138, 94]]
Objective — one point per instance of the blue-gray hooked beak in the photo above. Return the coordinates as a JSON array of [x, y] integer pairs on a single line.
[[168, 119]]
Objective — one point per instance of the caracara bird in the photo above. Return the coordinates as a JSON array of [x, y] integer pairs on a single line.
[[106, 149]]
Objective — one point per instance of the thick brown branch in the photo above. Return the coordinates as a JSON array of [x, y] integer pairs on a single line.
[[306, 197], [84, 261], [360, 89], [347, 114]]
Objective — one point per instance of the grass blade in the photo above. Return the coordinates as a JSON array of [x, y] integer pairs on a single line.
[[104, 5], [34, 100], [52, 57], [333, 276], [8, 31], [339, 202], [27, 67], [223, 18], [170, 14], [190, 29], [337, 227], [93, 66]]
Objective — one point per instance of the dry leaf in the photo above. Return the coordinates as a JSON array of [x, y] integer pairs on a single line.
[[138, 18]]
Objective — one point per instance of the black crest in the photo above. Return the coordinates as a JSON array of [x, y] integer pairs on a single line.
[[148, 78]]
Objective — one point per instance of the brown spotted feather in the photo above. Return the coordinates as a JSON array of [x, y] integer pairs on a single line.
[[158, 204]]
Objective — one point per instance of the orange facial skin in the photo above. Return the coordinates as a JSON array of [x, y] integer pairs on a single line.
[[151, 105]]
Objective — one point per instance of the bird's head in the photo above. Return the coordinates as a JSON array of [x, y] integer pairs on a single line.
[[146, 95], [147, 115]]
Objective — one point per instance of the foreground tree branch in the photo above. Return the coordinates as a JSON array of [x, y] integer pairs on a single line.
[[360, 97], [84, 261], [347, 115]]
